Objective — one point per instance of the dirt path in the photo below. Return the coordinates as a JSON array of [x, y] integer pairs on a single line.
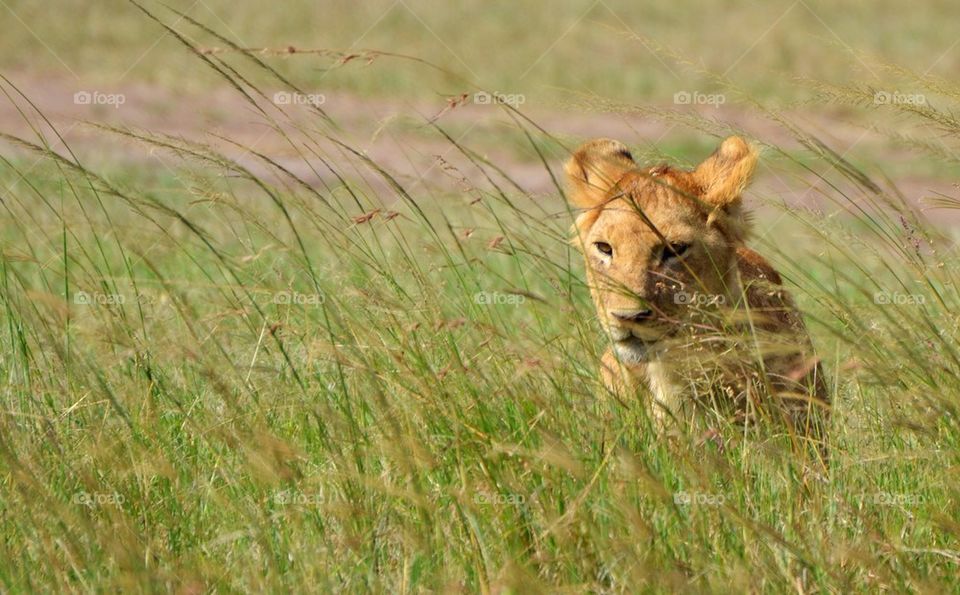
[[394, 133]]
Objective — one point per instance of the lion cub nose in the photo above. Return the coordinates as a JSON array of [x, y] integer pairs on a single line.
[[632, 315]]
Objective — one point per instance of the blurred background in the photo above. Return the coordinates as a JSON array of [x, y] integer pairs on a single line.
[[384, 70]]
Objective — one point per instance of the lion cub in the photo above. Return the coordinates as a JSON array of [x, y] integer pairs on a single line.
[[693, 315]]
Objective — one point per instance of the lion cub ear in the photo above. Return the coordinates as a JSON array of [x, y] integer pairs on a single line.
[[725, 174], [594, 169]]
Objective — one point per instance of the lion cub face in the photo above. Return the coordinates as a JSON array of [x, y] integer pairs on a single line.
[[658, 242]]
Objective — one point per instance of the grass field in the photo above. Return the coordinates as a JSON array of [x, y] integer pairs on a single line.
[[221, 376]]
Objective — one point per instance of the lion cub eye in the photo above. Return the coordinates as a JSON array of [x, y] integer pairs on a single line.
[[604, 248], [674, 250]]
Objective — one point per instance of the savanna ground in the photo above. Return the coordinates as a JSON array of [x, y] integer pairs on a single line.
[[308, 318]]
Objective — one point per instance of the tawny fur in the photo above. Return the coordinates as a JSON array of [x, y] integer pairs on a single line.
[[712, 322]]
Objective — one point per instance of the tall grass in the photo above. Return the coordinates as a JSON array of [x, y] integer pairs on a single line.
[[234, 379]]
